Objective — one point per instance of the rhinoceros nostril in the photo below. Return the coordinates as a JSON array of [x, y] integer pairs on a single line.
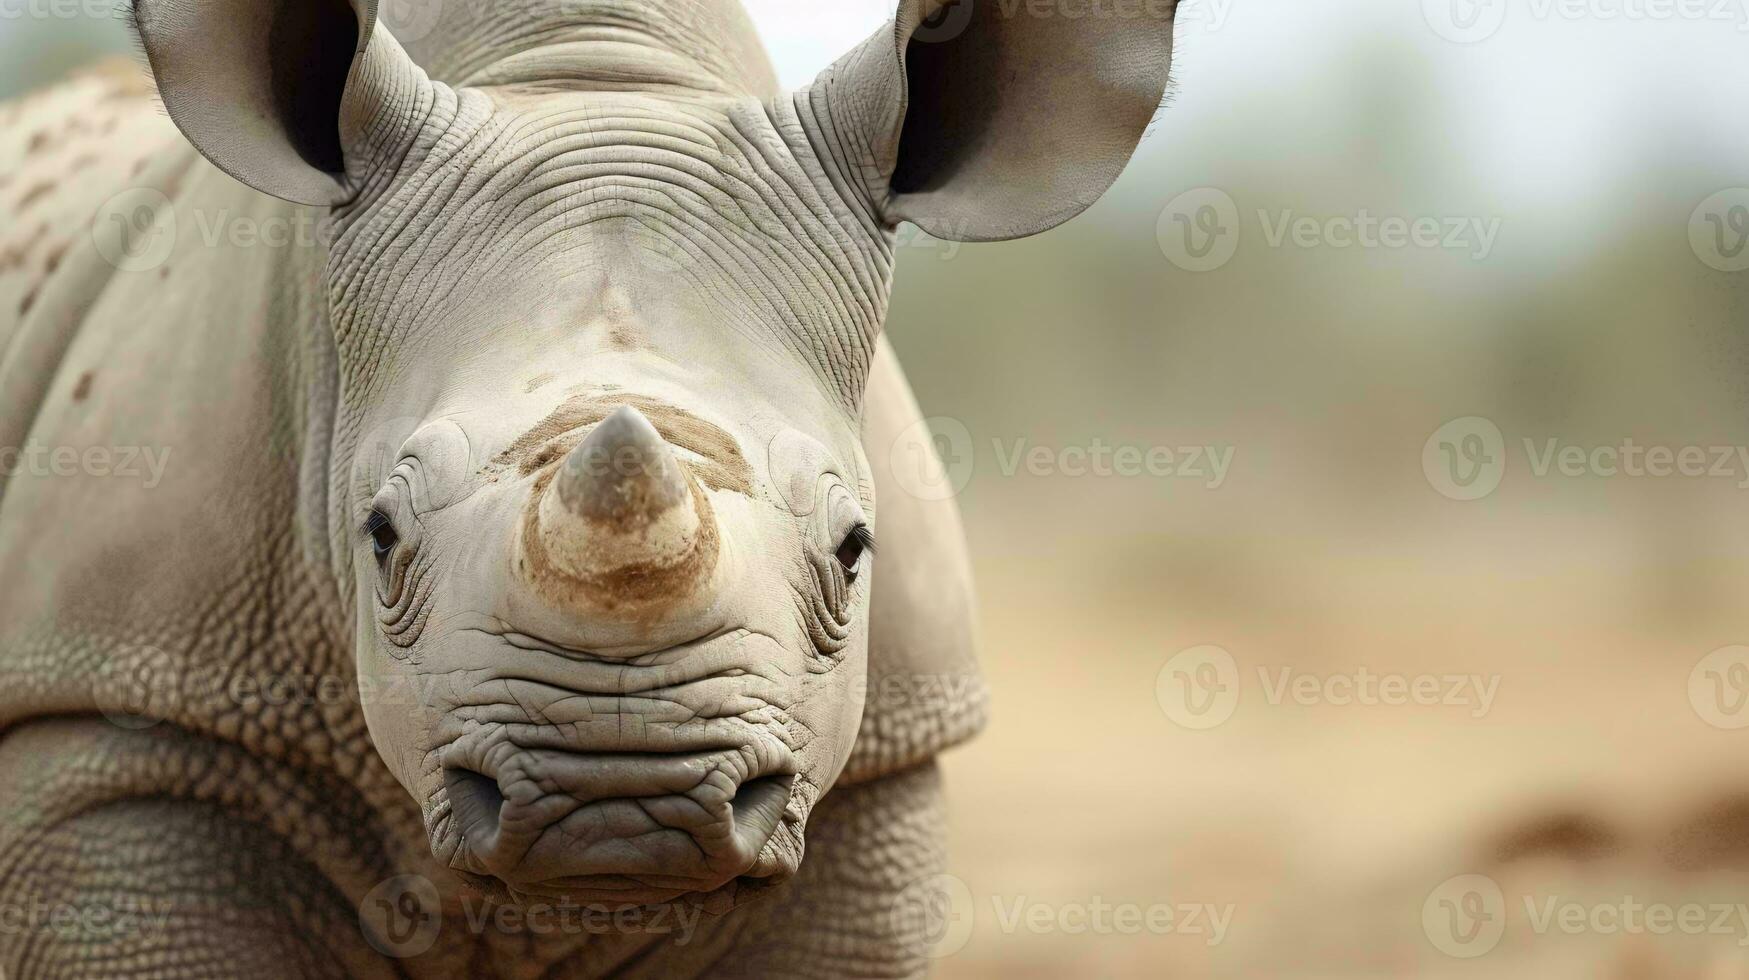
[[475, 800], [758, 807]]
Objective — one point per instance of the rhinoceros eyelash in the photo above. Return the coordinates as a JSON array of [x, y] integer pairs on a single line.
[[864, 536], [372, 523]]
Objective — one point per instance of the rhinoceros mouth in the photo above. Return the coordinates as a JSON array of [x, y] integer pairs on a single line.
[[616, 828]]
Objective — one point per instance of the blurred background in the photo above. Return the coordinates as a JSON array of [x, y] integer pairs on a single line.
[[1399, 632]]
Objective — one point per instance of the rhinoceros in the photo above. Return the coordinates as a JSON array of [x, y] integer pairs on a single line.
[[438, 481]]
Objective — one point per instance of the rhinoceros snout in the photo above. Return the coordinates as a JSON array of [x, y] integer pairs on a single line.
[[621, 522], [628, 828]]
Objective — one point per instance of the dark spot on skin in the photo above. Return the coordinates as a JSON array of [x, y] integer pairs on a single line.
[[52, 261], [82, 162], [1571, 836], [39, 141], [36, 193], [82, 390], [14, 256], [28, 301], [164, 272], [1715, 839], [538, 382], [723, 466], [139, 166]]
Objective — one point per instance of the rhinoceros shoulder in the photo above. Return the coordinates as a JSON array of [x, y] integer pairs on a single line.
[[64, 150]]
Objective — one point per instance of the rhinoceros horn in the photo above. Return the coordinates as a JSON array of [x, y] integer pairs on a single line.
[[621, 515]]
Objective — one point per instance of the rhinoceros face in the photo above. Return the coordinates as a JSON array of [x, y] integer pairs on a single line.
[[613, 517], [602, 334]]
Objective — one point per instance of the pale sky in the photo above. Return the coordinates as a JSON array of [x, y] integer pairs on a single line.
[[1546, 104]]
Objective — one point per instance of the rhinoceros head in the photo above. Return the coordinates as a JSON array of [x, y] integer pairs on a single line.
[[603, 306]]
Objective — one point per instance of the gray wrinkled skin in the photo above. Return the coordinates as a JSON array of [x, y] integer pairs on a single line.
[[504, 560]]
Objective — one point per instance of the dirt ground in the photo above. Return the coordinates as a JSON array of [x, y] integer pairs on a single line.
[[1607, 815]]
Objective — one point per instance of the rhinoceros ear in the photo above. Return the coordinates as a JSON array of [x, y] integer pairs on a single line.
[[985, 120], [300, 99]]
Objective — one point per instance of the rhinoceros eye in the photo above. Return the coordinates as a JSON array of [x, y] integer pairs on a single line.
[[858, 543], [381, 531]]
